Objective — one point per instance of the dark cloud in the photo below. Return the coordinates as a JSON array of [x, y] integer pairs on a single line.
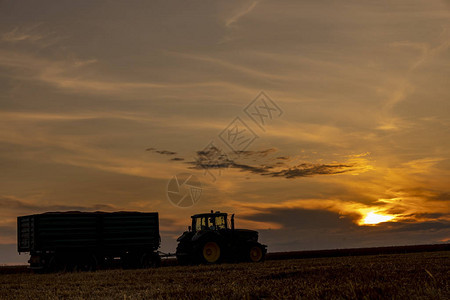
[[418, 226], [307, 169], [211, 158], [214, 158], [442, 197], [177, 159], [312, 229], [163, 152], [302, 218], [283, 157], [166, 152], [419, 217], [430, 215], [263, 170]]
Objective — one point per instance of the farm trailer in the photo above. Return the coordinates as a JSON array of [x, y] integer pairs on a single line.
[[86, 241]]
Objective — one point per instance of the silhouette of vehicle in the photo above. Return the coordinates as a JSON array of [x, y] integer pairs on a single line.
[[213, 239], [84, 241]]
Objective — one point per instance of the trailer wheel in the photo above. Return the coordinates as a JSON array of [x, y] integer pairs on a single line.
[[53, 265], [131, 261], [86, 263], [150, 260]]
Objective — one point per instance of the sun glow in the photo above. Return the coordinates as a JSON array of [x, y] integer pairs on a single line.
[[373, 218]]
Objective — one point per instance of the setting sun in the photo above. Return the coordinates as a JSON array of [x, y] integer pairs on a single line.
[[373, 218]]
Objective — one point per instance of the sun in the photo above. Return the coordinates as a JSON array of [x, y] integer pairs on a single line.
[[373, 218]]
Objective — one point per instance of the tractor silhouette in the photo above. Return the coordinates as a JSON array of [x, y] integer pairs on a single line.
[[212, 239]]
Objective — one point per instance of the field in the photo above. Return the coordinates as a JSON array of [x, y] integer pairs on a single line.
[[399, 276]]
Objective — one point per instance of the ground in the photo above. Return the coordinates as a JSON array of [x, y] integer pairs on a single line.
[[398, 276]]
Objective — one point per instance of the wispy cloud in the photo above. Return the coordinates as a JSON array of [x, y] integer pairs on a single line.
[[33, 34], [17, 35], [427, 51], [241, 12], [72, 75], [235, 67], [14, 203], [13, 206]]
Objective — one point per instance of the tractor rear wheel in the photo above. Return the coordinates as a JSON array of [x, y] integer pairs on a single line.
[[256, 253], [210, 252]]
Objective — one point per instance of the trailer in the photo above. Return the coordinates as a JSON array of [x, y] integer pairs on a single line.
[[89, 240]]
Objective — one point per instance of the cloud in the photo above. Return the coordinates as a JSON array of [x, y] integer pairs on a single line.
[[302, 229], [265, 164], [418, 227], [240, 13], [33, 34], [17, 35], [308, 169], [80, 76], [427, 51], [214, 158], [30, 133], [236, 67], [301, 218], [164, 152], [13, 207], [13, 203]]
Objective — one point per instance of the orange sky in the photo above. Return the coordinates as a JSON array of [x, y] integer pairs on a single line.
[[358, 155]]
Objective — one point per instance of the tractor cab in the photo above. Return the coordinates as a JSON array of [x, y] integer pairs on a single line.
[[212, 221]]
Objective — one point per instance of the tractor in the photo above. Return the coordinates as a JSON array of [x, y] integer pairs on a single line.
[[213, 239]]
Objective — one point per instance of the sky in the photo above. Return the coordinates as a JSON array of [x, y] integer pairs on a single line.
[[321, 124]]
